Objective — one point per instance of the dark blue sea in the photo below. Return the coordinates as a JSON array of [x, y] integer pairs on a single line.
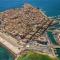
[[49, 7]]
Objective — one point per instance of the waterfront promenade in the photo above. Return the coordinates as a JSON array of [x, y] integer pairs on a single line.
[[6, 41]]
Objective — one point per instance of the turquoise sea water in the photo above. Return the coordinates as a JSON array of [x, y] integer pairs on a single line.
[[51, 38], [5, 54]]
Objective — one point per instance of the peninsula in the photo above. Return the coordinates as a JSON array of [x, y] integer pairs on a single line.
[[25, 29]]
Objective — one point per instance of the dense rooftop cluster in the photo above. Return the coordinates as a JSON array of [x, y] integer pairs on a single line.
[[23, 22]]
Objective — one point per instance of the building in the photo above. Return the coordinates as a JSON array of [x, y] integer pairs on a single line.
[[58, 38]]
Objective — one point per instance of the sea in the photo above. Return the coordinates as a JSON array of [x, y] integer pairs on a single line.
[[5, 54], [50, 7]]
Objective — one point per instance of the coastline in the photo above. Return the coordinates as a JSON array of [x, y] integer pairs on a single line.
[[13, 54], [18, 51]]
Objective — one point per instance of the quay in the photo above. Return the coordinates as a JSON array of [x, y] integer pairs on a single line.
[[6, 41]]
